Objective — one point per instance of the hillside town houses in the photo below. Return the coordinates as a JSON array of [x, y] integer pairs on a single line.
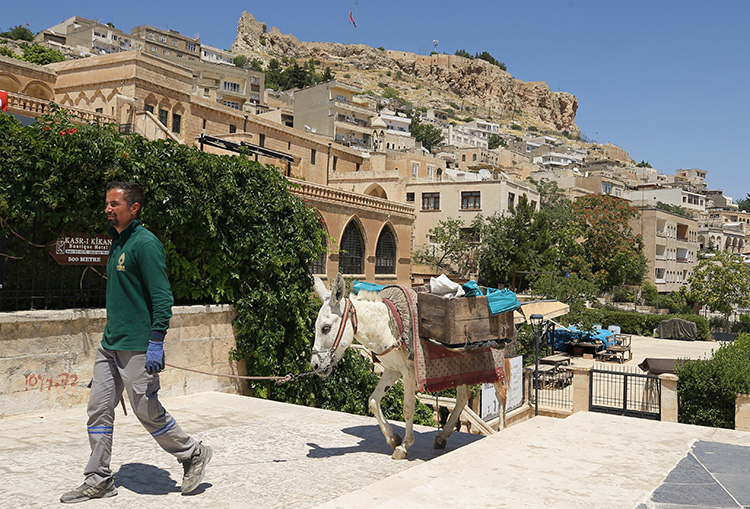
[[377, 190]]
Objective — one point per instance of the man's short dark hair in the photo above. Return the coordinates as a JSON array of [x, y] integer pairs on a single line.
[[132, 192]]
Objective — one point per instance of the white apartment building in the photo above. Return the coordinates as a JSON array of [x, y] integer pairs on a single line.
[[460, 137], [214, 55], [649, 196]]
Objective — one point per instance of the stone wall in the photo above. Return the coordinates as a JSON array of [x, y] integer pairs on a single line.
[[47, 357]]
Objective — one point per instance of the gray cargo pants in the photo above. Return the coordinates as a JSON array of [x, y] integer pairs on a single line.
[[115, 370]]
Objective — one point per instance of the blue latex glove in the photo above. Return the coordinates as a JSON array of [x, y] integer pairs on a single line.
[[155, 357]]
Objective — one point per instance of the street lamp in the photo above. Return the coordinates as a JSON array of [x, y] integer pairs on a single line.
[[536, 322]]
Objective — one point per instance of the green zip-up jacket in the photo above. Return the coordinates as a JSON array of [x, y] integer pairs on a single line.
[[139, 298]]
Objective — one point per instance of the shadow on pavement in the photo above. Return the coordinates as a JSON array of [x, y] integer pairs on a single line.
[[145, 479], [372, 441]]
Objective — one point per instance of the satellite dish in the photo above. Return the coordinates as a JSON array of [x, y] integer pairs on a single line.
[[314, 130], [307, 127], [485, 174]]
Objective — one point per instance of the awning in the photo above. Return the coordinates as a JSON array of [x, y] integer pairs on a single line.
[[654, 366], [549, 309]]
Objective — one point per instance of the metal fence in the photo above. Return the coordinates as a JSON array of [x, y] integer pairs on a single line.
[[625, 391], [31, 279], [555, 389]]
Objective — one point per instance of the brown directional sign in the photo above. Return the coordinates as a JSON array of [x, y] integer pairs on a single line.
[[81, 250]]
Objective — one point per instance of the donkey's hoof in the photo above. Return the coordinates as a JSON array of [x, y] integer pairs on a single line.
[[439, 442], [399, 454], [394, 441]]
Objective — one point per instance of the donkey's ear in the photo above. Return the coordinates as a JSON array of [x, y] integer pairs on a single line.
[[337, 290], [321, 289]]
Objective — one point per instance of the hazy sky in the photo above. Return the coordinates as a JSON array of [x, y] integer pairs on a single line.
[[664, 80]]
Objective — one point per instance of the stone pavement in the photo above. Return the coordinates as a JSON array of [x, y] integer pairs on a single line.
[[644, 347], [270, 454]]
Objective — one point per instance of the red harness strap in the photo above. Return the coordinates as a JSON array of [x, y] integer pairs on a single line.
[[396, 315], [399, 322], [349, 310]]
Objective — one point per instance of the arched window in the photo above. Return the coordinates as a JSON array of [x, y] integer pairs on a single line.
[[352, 253], [385, 253], [319, 265]]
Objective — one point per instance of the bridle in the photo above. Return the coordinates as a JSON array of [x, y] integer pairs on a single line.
[[350, 312]]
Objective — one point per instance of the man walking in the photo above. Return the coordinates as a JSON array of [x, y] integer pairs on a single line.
[[131, 354]]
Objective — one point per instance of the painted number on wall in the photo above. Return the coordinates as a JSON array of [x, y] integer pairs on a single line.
[[34, 381]]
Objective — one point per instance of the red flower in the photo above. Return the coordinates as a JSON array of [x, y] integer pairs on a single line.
[[72, 130]]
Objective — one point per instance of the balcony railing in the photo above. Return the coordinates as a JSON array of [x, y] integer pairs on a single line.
[[350, 106], [339, 196], [35, 107]]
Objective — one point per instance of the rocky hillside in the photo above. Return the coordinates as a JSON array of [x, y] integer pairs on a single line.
[[437, 81]]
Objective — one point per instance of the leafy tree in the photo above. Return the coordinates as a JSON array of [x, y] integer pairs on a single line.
[[721, 282], [679, 302], [550, 195], [328, 75], [489, 58], [495, 140], [428, 135], [571, 288], [450, 247], [464, 53], [513, 244], [37, 54], [643, 164], [240, 61], [273, 73], [291, 74], [614, 253], [18, 33], [649, 293], [565, 229], [744, 203]]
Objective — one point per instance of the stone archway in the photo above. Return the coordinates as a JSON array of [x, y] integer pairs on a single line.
[[9, 83], [39, 90], [377, 191]]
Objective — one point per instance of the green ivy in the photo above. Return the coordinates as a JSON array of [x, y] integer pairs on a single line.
[[232, 231]]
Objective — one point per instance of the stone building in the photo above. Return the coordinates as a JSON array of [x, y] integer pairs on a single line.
[[463, 200], [370, 237], [388, 172], [577, 183], [86, 36], [166, 43], [670, 244], [329, 109], [24, 81]]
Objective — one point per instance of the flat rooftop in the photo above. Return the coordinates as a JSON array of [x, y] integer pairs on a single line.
[[270, 454]]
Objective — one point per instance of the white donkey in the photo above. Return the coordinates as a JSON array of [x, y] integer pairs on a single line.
[[366, 318]]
